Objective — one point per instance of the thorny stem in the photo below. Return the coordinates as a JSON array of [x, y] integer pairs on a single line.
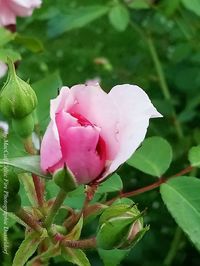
[[29, 220], [83, 243], [55, 207], [39, 189], [150, 187]]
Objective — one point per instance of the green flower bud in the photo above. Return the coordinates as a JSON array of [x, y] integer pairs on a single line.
[[17, 98], [24, 126], [9, 188], [64, 179], [120, 226]]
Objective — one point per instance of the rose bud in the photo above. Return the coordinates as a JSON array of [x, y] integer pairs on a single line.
[[10, 9], [120, 226], [92, 132], [17, 101]]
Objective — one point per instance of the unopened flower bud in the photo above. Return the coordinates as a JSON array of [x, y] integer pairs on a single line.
[[17, 98], [65, 179], [120, 226]]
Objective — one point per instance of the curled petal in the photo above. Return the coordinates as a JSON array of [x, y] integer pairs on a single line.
[[135, 111], [94, 104]]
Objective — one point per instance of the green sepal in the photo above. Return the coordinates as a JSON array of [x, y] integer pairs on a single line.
[[117, 210], [65, 180], [120, 226], [131, 242], [111, 233]]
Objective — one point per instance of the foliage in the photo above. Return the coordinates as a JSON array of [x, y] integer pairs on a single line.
[[154, 44]]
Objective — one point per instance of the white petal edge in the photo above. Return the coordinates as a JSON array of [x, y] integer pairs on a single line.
[[135, 111]]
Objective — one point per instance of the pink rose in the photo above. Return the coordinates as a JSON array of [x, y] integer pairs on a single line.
[[92, 132], [10, 9]]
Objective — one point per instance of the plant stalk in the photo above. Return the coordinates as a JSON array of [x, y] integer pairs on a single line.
[[55, 207]]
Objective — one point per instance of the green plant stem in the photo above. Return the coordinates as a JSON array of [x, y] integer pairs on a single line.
[[55, 207], [174, 247], [158, 66], [29, 220], [82, 243], [159, 70], [163, 83]]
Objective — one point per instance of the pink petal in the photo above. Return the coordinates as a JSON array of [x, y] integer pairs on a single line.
[[81, 154], [60, 102], [23, 8], [51, 153], [6, 15], [135, 111], [50, 148], [95, 105]]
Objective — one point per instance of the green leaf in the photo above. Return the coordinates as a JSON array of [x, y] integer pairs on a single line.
[[153, 157], [192, 5], [31, 43], [75, 256], [28, 248], [112, 257], [182, 198], [5, 53], [52, 251], [5, 36], [75, 18], [119, 17], [27, 193], [46, 89], [112, 184], [76, 231], [13, 145], [26, 164], [194, 156], [170, 7], [139, 4]]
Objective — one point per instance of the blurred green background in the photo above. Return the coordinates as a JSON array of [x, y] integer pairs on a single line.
[[154, 44]]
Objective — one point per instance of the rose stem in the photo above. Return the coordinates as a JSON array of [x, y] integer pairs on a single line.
[[83, 243], [29, 220], [38, 184], [55, 207], [161, 77], [150, 187]]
